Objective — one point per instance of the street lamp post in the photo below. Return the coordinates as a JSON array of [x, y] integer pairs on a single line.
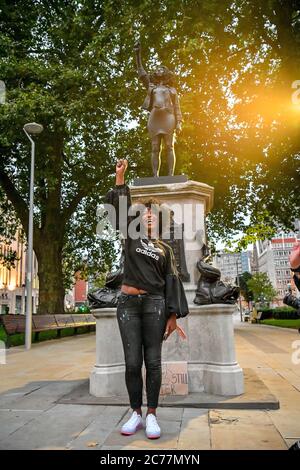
[[238, 283], [31, 128]]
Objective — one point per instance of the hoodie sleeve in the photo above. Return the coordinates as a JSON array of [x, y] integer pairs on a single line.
[[176, 301], [119, 197]]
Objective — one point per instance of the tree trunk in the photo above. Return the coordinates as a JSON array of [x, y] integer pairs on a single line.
[[51, 289]]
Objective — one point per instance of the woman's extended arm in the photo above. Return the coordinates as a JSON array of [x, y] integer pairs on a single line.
[[121, 168], [143, 76], [113, 197]]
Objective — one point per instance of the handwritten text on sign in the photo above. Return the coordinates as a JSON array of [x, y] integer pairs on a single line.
[[174, 378]]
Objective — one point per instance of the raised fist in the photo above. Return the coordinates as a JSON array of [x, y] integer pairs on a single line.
[[121, 166]]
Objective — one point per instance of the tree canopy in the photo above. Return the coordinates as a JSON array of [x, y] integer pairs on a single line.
[[244, 287], [70, 66], [261, 288]]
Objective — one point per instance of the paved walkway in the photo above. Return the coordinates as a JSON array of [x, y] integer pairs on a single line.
[[31, 382]]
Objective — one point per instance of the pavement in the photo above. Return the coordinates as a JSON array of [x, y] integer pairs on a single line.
[[32, 382]]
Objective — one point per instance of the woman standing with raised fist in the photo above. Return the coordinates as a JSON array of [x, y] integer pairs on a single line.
[[152, 297]]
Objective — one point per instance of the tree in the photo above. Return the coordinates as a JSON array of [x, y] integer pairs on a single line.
[[57, 66], [261, 287], [243, 283], [69, 65], [253, 126]]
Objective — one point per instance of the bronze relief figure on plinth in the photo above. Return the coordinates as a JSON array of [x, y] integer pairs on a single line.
[[165, 115], [210, 288]]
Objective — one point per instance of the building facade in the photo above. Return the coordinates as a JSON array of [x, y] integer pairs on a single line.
[[13, 282], [273, 259], [230, 265], [246, 261], [254, 260], [13, 279]]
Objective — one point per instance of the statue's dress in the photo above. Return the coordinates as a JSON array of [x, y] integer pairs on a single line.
[[162, 118]]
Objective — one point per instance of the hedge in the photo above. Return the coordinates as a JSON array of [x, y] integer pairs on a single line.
[[278, 313]]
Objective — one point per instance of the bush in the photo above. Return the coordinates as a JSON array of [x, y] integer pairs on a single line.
[[284, 315], [278, 313], [83, 309]]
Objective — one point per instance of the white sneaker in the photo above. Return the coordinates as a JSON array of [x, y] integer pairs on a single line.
[[152, 428], [132, 425]]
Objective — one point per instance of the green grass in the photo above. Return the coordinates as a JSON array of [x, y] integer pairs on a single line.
[[283, 323], [19, 339]]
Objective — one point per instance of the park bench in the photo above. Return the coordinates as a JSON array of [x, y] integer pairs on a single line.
[[14, 324], [246, 317]]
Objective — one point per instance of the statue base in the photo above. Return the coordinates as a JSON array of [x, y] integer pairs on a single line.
[[209, 351], [150, 180], [190, 202]]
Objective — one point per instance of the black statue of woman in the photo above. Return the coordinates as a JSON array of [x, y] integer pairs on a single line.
[[165, 115]]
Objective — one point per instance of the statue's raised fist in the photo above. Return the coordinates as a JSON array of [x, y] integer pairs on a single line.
[[137, 46]]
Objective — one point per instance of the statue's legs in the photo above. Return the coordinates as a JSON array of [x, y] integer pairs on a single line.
[[169, 143], [156, 146]]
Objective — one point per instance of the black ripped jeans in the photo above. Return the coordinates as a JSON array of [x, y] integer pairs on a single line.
[[142, 321]]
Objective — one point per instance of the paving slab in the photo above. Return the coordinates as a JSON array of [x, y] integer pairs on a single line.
[[41, 396], [256, 396], [287, 422], [33, 381], [292, 377], [52, 428], [195, 431], [11, 421], [261, 343], [94, 435], [244, 430]]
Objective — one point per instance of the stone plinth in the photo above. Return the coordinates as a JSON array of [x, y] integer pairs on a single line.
[[108, 375], [209, 351], [191, 201]]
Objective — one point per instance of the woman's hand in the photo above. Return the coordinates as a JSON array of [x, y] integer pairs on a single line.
[[121, 168], [179, 127], [170, 326]]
